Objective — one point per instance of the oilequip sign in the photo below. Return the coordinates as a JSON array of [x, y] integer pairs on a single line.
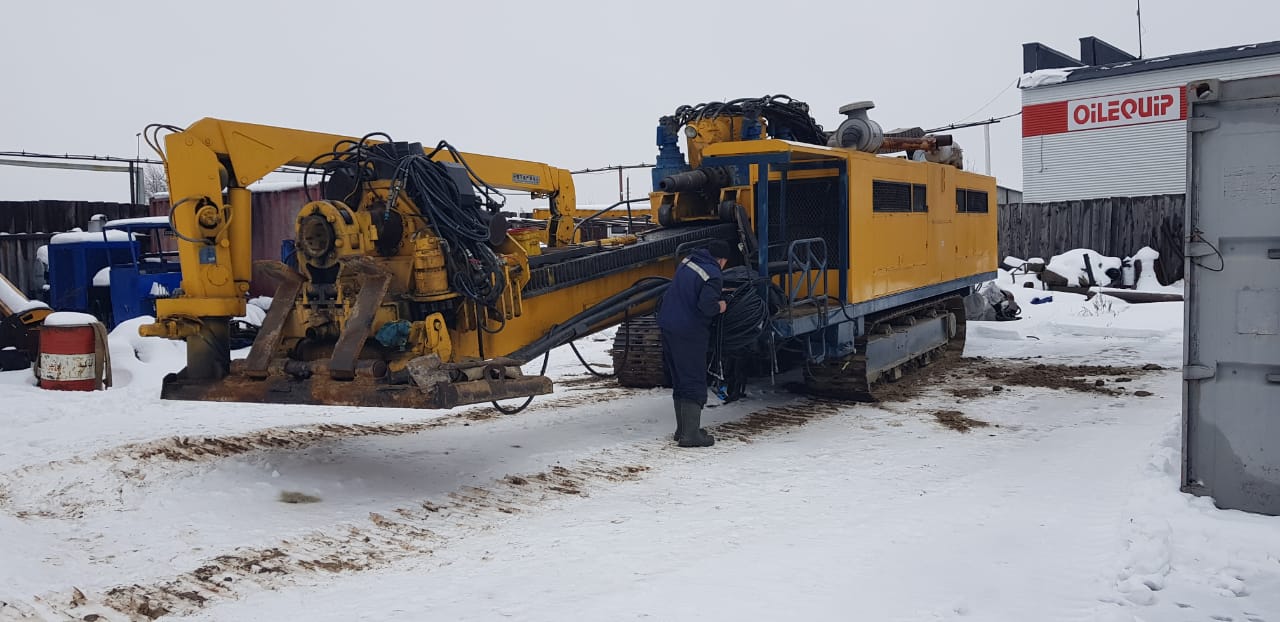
[[1124, 109]]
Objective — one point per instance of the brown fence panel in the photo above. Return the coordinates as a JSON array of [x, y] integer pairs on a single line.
[[1116, 227]]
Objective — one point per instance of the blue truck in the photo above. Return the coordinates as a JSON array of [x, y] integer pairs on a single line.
[[115, 274]]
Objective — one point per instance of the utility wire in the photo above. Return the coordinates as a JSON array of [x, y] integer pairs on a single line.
[[958, 126], [989, 102]]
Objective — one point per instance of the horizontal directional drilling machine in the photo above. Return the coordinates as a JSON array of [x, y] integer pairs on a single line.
[[412, 289]]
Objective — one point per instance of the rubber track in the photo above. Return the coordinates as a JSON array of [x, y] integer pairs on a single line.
[[637, 354], [846, 378]]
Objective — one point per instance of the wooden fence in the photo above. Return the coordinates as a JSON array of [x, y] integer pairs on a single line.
[[1115, 227], [27, 225]]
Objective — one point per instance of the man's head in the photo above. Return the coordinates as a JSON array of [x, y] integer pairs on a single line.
[[720, 250]]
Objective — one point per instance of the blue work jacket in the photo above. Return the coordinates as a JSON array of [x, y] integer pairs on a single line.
[[693, 299]]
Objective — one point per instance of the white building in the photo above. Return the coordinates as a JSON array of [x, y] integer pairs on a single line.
[[1112, 125]]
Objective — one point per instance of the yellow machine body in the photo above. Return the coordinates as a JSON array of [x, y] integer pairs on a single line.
[[369, 298], [889, 252]]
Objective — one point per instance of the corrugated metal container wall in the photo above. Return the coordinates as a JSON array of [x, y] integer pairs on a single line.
[[1133, 160], [274, 213]]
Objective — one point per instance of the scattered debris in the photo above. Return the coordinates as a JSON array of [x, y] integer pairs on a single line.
[[969, 393], [287, 496], [1143, 393], [957, 421], [1151, 367], [1074, 377]]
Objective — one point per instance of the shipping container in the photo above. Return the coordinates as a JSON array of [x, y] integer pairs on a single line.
[[1231, 386]]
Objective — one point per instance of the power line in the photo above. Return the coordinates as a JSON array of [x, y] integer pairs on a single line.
[[990, 101], [957, 126]]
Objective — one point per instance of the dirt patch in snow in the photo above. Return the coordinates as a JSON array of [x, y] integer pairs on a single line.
[[969, 393], [587, 382], [192, 448], [775, 417], [1083, 378], [957, 421]]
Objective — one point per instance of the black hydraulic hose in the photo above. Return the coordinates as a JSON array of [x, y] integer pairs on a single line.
[[579, 325], [546, 358], [587, 365]]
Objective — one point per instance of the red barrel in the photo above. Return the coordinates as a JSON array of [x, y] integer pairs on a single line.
[[68, 357]]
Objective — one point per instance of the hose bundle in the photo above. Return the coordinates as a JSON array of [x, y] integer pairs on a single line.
[[738, 333], [787, 117], [475, 269]]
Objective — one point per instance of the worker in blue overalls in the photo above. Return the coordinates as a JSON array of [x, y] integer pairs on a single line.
[[690, 304]]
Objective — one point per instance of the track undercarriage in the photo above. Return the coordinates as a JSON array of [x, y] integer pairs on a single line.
[[895, 344]]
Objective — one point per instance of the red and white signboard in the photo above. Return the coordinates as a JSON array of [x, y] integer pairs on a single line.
[[1137, 108], [1126, 109]]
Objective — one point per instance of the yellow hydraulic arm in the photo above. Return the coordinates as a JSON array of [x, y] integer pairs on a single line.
[[216, 228], [210, 165]]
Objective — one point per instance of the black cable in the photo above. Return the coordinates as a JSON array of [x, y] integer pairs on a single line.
[[588, 365], [511, 411], [737, 332], [1198, 236]]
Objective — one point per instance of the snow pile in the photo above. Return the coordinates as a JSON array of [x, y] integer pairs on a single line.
[[14, 301], [261, 302], [69, 318], [253, 314], [1044, 77], [1073, 266], [1047, 316], [1137, 272], [143, 360], [102, 278]]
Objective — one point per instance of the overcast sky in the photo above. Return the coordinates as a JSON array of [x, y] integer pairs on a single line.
[[573, 84]]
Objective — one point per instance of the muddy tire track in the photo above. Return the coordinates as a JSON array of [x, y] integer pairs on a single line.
[[127, 467], [417, 530]]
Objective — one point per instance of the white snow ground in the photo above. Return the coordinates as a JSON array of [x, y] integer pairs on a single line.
[[1065, 508]]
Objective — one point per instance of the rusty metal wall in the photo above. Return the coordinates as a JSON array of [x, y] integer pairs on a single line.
[[28, 225]]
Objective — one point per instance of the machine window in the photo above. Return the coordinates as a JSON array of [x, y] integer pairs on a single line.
[[892, 196], [971, 201]]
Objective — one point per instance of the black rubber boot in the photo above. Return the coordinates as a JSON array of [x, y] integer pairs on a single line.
[[689, 415], [679, 421]]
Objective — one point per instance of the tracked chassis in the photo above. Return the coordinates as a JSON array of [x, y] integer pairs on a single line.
[[894, 344]]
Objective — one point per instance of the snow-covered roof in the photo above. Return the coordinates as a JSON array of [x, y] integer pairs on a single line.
[[133, 222], [90, 236]]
